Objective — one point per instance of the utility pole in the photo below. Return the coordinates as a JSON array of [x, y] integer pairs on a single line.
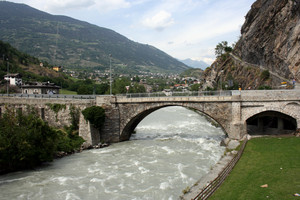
[[110, 81], [8, 82], [221, 79]]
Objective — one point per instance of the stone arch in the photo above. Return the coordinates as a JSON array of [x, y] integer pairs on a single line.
[[271, 122], [132, 123]]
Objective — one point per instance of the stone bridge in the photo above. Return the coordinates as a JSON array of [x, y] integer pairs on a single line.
[[242, 112]]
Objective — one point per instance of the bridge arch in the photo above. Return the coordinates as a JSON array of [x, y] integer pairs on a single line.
[[131, 124], [271, 121]]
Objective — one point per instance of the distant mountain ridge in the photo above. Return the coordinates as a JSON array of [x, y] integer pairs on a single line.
[[69, 42], [195, 63]]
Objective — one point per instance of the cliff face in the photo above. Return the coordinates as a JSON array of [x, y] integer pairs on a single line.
[[270, 41], [271, 37]]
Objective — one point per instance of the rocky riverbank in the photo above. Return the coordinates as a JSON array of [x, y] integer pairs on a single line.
[[97, 146]]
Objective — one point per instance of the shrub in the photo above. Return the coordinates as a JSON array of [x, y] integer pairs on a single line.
[[25, 141], [95, 115], [69, 141], [264, 87], [265, 75]]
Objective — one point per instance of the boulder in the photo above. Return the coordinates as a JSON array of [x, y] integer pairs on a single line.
[[233, 144]]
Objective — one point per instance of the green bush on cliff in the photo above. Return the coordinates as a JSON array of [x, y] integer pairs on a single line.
[[222, 48], [265, 75], [95, 115]]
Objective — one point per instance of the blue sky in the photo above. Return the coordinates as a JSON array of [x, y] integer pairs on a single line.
[[181, 28]]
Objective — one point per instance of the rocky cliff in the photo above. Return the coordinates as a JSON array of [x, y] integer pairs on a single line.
[[270, 41]]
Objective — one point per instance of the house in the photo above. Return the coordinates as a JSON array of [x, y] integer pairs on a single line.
[[40, 88], [14, 79], [57, 68]]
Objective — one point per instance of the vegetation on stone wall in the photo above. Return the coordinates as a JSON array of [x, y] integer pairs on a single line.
[[56, 107], [75, 115], [95, 115], [69, 139], [27, 141]]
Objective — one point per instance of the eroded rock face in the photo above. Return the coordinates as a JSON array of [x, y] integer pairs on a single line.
[[271, 37]]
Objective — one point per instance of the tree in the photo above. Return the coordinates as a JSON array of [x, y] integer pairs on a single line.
[[195, 87], [101, 88], [25, 141], [222, 48], [137, 88], [119, 86], [85, 89]]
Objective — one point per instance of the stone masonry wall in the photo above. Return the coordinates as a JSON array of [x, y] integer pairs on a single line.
[[42, 106]]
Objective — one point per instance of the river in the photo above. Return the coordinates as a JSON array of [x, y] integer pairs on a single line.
[[171, 149]]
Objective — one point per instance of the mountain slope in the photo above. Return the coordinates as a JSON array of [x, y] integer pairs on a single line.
[[14, 61], [195, 63], [271, 37], [73, 43], [268, 51]]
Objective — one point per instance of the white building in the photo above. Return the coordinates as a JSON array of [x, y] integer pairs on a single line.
[[14, 79], [40, 88]]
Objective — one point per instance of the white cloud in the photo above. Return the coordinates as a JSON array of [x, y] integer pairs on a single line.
[[68, 4], [109, 5], [208, 60], [57, 6], [62, 6], [159, 21]]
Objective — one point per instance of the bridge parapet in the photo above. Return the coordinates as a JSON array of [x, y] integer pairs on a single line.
[[121, 99], [270, 95]]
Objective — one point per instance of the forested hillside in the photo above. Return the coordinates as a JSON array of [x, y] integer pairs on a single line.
[[31, 70], [72, 43]]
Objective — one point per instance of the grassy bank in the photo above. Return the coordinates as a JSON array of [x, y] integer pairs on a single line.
[[64, 91], [270, 160]]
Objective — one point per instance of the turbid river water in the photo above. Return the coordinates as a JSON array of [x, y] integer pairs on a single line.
[[172, 148]]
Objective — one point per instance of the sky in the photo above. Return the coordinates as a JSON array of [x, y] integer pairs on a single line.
[[181, 28]]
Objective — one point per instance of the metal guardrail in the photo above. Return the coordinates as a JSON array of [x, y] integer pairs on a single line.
[[128, 95], [177, 94], [215, 184], [50, 96]]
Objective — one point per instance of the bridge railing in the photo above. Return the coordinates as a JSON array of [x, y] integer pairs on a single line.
[[50, 96], [128, 95], [177, 94]]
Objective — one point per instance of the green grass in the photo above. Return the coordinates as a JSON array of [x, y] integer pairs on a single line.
[[63, 91], [270, 160]]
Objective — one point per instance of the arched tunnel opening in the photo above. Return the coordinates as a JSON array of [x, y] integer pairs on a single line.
[[271, 123]]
